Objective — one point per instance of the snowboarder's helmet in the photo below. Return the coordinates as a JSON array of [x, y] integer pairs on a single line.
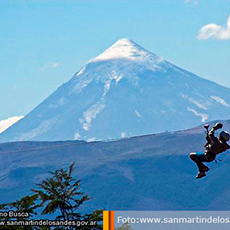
[[225, 135]]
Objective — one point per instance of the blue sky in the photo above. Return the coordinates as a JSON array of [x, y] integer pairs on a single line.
[[44, 42]]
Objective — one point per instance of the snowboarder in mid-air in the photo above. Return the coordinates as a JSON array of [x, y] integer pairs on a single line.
[[213, 147]]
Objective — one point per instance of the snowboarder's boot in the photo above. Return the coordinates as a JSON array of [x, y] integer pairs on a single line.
[[200, 175], [206, 169]]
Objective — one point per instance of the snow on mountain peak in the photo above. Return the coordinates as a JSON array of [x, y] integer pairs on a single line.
[[127, 49], [125, 91]]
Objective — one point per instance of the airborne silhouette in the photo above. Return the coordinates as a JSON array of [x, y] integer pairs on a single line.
[[213, 147]]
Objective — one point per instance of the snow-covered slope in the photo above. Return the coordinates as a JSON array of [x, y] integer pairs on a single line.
[[151, 172], [125, 91]]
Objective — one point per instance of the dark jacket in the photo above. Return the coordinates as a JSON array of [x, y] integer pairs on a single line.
[[214, 146]]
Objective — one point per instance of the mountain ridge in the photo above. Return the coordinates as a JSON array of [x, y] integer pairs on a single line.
[[137, 173], [112, 97]]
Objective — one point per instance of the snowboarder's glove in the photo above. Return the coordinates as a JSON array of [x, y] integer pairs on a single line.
[[218, 126]]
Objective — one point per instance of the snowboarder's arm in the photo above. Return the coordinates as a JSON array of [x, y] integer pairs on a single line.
[[211, 137]]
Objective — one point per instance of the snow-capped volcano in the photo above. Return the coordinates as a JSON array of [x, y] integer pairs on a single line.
[[125, 91], [125, 48]]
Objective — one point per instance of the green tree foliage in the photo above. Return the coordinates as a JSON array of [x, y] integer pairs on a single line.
[[95, 217], [59, 195], [26, 205]]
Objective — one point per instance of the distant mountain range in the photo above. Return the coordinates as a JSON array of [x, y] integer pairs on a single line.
[[151, 172], [125, 91]]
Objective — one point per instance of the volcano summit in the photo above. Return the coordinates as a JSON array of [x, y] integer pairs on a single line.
[[125, 91]]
